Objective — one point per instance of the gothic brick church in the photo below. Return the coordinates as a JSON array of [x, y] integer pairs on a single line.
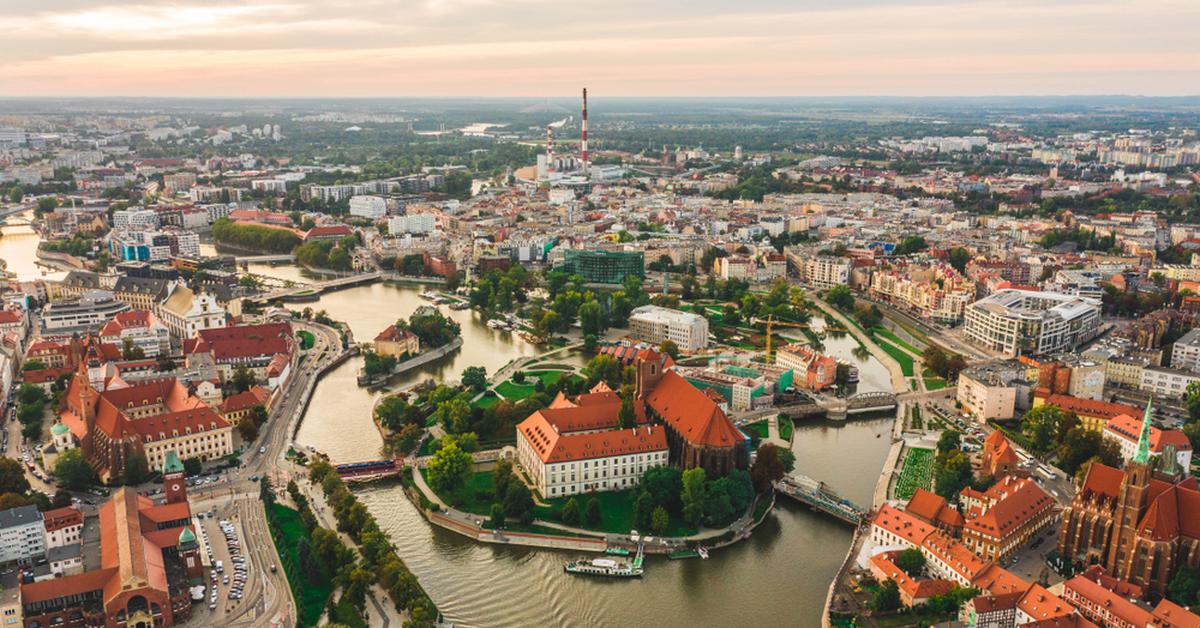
[[1141, 523]]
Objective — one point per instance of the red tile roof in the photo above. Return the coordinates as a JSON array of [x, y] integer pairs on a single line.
[[902, 524], [246, 341], [1016, 501], [1091, 407], [1129, 428], [553, 446], [933, 508], [691, 413]]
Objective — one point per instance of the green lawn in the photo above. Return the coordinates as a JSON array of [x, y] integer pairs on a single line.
[[476, 497], [786, 425], [757, 428], [487, 401], [515, 392], [880, 330], [306, 339], [902, 357], [287, 530], [916, 473], [616, 513], [935, 383]]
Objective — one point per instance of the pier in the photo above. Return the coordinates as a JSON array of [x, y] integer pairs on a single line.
[[820, 497]]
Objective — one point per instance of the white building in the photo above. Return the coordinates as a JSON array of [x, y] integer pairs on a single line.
[[273, 186], [135, 219], [654, 324], [824, 271], [1186, 353], [1124, 430], [22, 535], [1168, 382], [412, 223], [1023, 322], [368, 206], [185, 312], [90, 310], [561, 462]]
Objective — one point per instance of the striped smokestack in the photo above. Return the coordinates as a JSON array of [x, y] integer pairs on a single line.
[[584, 148], [549, 148]]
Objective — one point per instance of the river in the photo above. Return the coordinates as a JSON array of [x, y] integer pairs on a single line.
[[778, 577], [18, 249]]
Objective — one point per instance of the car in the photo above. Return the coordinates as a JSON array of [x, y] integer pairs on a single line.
[[262, 450], [212, 606]]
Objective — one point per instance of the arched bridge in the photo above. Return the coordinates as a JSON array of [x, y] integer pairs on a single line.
[[820, 497], [870, 401]]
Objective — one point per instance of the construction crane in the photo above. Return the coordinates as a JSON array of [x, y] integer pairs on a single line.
[[771, 323]]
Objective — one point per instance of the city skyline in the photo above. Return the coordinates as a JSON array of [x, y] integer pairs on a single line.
[[501, 48]]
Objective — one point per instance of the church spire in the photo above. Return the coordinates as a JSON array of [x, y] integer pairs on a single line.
[[1143, 445]]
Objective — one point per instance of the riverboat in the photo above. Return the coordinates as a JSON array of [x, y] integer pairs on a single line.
[[606, 567]]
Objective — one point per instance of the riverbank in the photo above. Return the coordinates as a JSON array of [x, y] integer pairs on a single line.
[[423, 358], [899, 383], [468, 525]]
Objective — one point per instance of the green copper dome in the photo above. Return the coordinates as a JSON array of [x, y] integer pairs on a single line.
[[171, 463], [186, 536], [59, 429]]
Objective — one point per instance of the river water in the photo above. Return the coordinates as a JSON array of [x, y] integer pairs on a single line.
[[778, 577]]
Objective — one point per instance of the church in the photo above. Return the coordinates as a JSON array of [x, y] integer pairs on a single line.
[[1141, 523]]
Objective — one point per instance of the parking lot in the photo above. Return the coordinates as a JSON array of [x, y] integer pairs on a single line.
[[228, 569]]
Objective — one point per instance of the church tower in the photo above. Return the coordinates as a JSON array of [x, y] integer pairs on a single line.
[[1131, 503], [174, 479]]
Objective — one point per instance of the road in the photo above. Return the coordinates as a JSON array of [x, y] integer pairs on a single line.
[[267, 599]]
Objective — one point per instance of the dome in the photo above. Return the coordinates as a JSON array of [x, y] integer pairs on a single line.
[[59, 429], [187, 536]]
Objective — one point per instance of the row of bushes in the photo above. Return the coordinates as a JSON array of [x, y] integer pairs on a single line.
[[379, 555]]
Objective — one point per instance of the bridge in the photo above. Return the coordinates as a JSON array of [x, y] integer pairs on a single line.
[[820, 497], [839, 409], [15, 221], [251, 259], [372, 470], [315, 289]]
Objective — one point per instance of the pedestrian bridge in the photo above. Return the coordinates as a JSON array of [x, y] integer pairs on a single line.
[[316, 288], [820, 497]]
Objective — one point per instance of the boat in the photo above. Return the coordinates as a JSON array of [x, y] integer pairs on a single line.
[[496, 323], [618, 551], [683, 554], [703, 552], [459, 305], [428, 295], [607, 567]]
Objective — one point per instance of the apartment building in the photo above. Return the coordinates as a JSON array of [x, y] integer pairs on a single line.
[[989, 391], [1023, 322], [1168, 382], [368, 206], [654, 324], [22, 535], [1186, 352]]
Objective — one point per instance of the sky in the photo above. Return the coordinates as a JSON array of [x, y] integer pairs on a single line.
[[546, 48]]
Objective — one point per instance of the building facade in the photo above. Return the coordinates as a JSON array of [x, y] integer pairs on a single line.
[[654, 324], [1023, 322]]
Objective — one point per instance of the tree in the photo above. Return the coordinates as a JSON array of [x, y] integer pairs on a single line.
[[450, 468], [643, 508], [30, 393], [570, 512], [664, 484], [959, 258], [137, 468], [591, 318], [1081, 445], [840, 297], [670, 348], [911, 561], [950, 440], [787, 458], [604, 368], [192, 466], [1184, 588], [659, 520], [73, 471], [593, 511], [12, 477], [953, 475], [518, 502], [1041, 426], [909, 245], [767, 468], [248, 429], [693, 495], [243, 379], [501, 477], [475, 378], [887, 598], [497, 517], [15, 194], [626, 415]]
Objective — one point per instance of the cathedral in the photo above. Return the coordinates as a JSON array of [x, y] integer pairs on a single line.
[[1140, 523]]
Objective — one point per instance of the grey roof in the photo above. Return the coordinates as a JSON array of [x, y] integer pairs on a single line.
[[64, 552], [19, 516], [142, 285]]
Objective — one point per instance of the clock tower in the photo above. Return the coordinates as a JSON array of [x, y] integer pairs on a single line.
[[174, 479]]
